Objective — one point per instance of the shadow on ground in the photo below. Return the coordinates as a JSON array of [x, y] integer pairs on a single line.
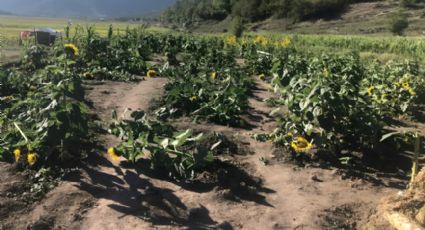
[[228, 180], [384, 168], [130, 194]]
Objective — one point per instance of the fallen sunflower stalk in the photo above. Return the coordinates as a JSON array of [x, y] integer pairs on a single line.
[[177, 153]]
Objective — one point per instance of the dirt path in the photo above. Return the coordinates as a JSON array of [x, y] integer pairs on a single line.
[[305, 198], [284, 196], [113, 195], [117, 189]]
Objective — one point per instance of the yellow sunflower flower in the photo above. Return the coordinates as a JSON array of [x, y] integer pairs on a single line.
[[383, 98], [32, 158], [151, 73], [194, 98], [406, 85], [72, 48], [285, 43], [325, 72], [261, 40], [17, 154], [301, 145], [88, 75], [113, 154], [370, 90], [262, 77], [231, 40], [213, 75]]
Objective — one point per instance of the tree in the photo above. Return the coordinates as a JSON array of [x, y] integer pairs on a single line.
[[399, 24], [237, 26], [410, 3]]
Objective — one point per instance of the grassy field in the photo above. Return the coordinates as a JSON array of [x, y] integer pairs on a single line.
[[382, 47], [11, 26]]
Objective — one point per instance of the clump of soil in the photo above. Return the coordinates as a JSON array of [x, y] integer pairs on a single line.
[[342, 217]]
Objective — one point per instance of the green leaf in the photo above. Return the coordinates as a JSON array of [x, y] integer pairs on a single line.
[[304, 104], [275, 112], [182, 138], [388, 135], [209, 157], [214, 146], [197, 138], [165, 143]]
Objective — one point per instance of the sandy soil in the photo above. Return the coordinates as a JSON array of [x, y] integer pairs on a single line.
[[249, 195]]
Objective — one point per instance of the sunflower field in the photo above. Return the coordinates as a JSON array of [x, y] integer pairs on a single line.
[[322, 102]]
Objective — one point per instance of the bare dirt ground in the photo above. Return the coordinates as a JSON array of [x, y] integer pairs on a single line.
[[249, 195]]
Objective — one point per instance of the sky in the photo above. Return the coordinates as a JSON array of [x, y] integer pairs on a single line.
[[84, 8]]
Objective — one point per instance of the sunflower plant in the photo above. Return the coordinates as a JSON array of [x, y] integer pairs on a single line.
[[118, 57], [177, 153], [327, 107], [393, 88], [35, 57], [52, 119], [212, 88]]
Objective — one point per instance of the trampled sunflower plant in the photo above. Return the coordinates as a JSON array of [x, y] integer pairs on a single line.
[[52, 119], [176, 153]]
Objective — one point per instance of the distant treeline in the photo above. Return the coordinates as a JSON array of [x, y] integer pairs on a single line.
[[5, 13], [186, 11]]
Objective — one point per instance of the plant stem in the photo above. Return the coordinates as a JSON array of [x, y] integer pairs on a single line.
[[416, 158], [20, 131]]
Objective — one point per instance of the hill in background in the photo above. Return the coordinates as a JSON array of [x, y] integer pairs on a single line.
[[5, 13], [297, 16], [85, 8]]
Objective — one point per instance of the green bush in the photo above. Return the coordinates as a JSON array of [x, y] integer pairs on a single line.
[[410, 3], [399, 24], [237, 27], [184, 11]]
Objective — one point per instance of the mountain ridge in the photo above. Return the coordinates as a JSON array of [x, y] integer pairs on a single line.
[[85, 8]]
